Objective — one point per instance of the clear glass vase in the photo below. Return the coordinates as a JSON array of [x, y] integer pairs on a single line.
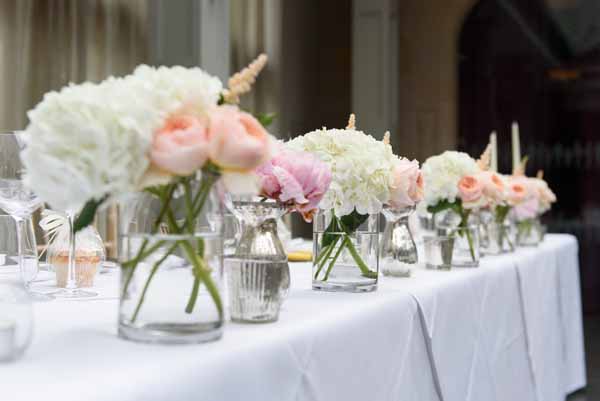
[[530, 232], [171, 265], [345, 260], [172, 295], [258, 274], [466, 244], [398, 250], [498, 238]]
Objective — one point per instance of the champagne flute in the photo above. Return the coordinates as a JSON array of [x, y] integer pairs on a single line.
[[16, 199]]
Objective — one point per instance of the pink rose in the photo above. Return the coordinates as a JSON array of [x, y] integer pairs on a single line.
[[527, 209], [470, 192], [238, 142], [493, 187], [543, 193], [180, 147], [407, 189], [518, 190], [295, 178]]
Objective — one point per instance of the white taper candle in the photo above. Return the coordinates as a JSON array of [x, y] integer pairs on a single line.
[[516, 146], [494, 158]]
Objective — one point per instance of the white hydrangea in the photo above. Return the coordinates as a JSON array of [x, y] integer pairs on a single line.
[[361, 167], [92, 140], [442, 173], [171, 89]]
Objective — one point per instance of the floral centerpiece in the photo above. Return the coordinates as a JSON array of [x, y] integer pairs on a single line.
[[453, 183], [366, 175], [532, 197], [258, 272], [171, 133], [295, 178], [497, 234]]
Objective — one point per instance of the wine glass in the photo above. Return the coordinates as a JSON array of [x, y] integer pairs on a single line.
[[72, 290], [9, 250], [16, 199]]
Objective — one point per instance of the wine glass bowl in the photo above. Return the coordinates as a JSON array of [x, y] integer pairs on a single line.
[[18, 201]]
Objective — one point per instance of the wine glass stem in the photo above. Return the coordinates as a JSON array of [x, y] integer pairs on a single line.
[[71, 279], [20, 222]]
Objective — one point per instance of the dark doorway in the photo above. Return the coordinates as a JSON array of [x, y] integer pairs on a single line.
[[538, 62]]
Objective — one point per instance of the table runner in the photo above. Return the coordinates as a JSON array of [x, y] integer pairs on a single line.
[[457, 335]]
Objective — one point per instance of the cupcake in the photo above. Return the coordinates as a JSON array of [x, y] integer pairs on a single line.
[[86, 266]]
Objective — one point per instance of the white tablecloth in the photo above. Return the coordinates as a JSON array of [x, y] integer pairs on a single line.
[[510, 330]]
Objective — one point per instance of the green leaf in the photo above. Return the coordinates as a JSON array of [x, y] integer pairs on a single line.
[[501, 213], [444, 205], [266, 119], [86, 217], [352, 221], [347, 224]]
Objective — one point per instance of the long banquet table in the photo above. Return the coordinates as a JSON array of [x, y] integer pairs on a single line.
[[509, 330]]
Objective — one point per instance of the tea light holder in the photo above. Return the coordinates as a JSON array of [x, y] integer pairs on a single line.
[[438, 252]]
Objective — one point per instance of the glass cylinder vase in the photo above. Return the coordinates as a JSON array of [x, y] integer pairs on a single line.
[[398, 250], [466, 244], [529, 232], [171, 264], [345, 259], [498, 238], [170, 288], [258, 275]]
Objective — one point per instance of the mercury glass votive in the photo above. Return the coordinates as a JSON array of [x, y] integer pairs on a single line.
[[438, 252]]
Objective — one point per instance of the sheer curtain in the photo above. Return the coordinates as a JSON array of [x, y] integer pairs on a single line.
[[47, 44], [44, 45]]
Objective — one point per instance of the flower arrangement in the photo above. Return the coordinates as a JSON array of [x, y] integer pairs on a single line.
[[155, 130], [532, 197], [295, 178], [453, 182], [366, 175]]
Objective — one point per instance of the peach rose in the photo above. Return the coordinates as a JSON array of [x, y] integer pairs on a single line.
[[470, 192], [407, 189], [238, 142], [180, 147], [518, 191], [493, 187], [543, 193]]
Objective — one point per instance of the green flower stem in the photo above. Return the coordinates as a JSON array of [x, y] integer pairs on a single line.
[[133, 263], [324, 255], [470, 241], [335, 257], [320, 255], [361, 264], [202, 272], [510, 244], [150, 276], [142, 253]]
